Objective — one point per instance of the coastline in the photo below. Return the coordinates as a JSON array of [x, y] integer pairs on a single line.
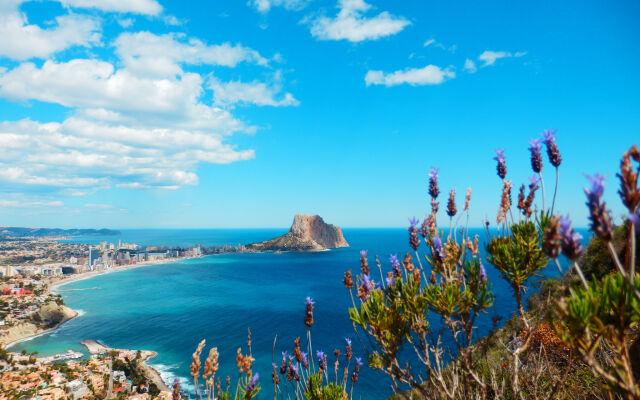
[[38, 332], [151, 372], [54, 286]]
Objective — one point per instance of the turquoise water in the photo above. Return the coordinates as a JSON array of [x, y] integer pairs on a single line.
[[170, 308]]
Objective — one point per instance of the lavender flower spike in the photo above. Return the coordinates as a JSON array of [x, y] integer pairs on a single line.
[[552, 148], [571, 240], [502, 166], [483, 273], [363, 253], [533, 181], [536, 157], [309, 301], [252, 383], [433, 183], [601, 223], [322, 360], [414, 241], [438, 251]]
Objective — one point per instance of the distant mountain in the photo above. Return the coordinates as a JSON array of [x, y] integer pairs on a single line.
[[308, 233], [10, 231]]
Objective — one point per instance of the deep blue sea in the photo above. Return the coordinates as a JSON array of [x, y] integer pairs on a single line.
[[169, 308]]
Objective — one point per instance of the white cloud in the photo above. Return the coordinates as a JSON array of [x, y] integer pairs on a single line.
[[79, 153], [429, 75], [264, 6], [429, 42], [101, 206], [29, 204], [126, 22], [258, 93], [490, 57], [350, 23], [20, 40], [161, 55], [470, 66], [145, 7]]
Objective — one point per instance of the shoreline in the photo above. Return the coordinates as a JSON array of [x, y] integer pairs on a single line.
[[54, 286]]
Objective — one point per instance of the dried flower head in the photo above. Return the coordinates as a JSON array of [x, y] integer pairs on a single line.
[[297, 353], [502, 165], [433, 183], [283, 365], [601, 223], [432, 278], [414, 241], [195, 363], [505, 201], [629, 189], [308, 316], [467, 199], [451, 203], [364, 265], [348, 280], [408, 265], [552, 148], [552, 238], [211, 363]]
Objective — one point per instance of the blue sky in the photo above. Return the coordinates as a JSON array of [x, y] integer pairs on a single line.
[[201, 114]]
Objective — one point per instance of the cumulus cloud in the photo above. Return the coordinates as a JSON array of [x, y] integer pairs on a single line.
[[258, 93], [351, 24], [429, 75], [470, 66], [145, 7], [161, 55], [264, 6], [80, 153], [490, 57], [142, 121], [29, 204], [20, 40]]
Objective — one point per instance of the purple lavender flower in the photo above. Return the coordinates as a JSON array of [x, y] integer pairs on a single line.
[[363, 253], [252, 383], [414, 241], [600, 217], [395, 264], [635, 220], [296, 372], [359, 361], [502, 165], [309, 301], [322, 360], [433, 183], [552, 148], [451, 203], [571, 240], [483, 273], [390, 281], [348, 341], [533, 181], [438, 251], [536, 156]]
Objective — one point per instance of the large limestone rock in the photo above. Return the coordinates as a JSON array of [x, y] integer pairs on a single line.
[[308, 233]]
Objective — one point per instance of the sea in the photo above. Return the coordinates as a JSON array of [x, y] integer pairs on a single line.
[[170, 308]]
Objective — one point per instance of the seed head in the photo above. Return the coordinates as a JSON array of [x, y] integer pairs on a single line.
[[364, 265], [467, 199], [552, 238], [308, 317], [348, 280], [451, 204], [195, 363], [629, 190]]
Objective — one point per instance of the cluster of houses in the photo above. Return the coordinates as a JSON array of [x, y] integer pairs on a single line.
[[23, 376]]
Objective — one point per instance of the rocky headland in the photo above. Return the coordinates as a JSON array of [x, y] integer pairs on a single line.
[[307, 233]]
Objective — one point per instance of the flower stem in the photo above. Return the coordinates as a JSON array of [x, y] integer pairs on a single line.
[[555, 189]]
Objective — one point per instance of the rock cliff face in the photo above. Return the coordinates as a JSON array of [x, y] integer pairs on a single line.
[[308, 233]]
